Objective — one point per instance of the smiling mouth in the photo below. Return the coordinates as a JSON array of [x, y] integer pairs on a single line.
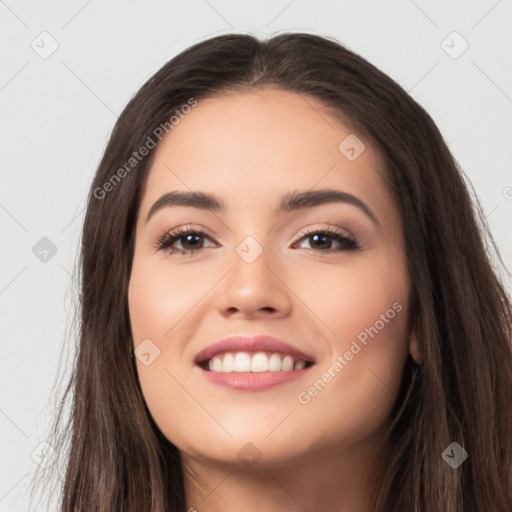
[[253, 362]]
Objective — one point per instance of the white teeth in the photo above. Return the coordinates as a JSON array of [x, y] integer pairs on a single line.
[[287, 364], [228, 364], [242, 362], [274, 363], [299, 365], [259, 363], [254, 362], [215, 364]]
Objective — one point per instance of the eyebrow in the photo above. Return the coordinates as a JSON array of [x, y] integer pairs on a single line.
[[290, 202]]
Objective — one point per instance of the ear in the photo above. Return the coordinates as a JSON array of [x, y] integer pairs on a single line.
[[414, 348]]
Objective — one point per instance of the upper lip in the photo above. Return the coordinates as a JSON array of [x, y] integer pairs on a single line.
[[261, 343]]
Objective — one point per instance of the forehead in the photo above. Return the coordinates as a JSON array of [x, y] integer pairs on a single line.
[[252, 146]]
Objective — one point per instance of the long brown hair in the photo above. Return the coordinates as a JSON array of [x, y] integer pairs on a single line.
[[462, 391]]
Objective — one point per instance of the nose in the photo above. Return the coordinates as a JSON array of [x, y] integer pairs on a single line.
[[254, 288]]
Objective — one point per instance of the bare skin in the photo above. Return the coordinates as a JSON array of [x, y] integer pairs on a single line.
[[310, 451]]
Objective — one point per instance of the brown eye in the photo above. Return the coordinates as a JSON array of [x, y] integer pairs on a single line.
[[323, 241], [190, 239]]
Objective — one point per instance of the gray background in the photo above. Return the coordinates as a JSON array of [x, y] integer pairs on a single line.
[[57, 112]]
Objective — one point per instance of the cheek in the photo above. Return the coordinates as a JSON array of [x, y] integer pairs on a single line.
[[365, 308], [157, 300], [355, 296], [352, 394], [371, 313], [151, 306], [160, 304]]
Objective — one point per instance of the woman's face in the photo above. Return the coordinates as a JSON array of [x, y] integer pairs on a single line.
[[257, 270]]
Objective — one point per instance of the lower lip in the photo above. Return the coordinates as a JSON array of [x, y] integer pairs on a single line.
[[252, 381]]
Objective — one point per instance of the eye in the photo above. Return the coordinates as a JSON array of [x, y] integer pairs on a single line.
[[190, 235], [190, 240], [321, 239]]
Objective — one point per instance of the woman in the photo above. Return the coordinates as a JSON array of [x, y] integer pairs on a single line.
[[232, 357]]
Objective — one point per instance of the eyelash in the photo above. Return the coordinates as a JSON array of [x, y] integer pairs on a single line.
[[349, 244]]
